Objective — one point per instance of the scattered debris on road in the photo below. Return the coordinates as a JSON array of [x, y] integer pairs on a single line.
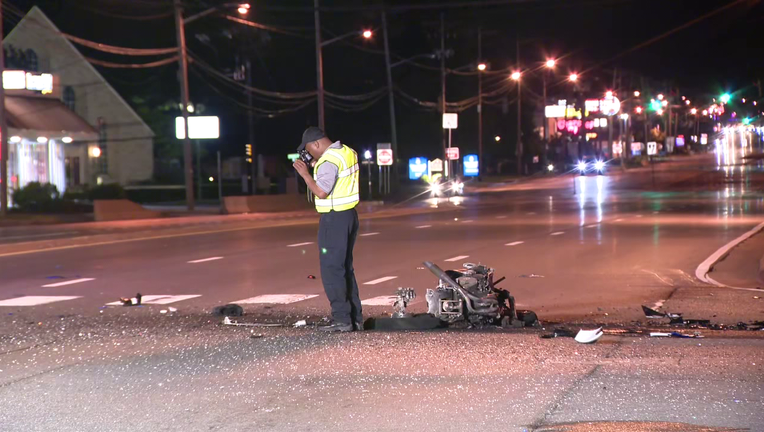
[[135, 301], [695, 335], [229, 322], [229, 310], [301, 323], [588, 336], [532, 276], [559, 332]]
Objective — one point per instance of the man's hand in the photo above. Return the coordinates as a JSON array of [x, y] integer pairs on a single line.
[[301, 168]]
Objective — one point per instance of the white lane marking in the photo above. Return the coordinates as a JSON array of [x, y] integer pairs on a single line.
[[71, 282], [379, 301], [35, 300], [514, 243], [380, 280], [160, 299], [457, 258], [501, 217], [277, 299], [531, 213], [300, 244], [618, 220], [558, 233], [38, 235], [591, 226], [369, 234], [205, 260], [639, 216], [706, 266], [423, 226], [468, 221]]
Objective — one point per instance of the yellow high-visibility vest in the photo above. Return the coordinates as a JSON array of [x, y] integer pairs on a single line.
[[345, 194]]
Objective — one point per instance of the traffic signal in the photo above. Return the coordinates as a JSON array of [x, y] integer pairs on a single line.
[[725, 97], [638, 110], [746, 121], [248, 152], [655, 105]]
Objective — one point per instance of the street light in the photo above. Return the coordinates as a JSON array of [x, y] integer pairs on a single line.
[[481, 67], [687, 102], [705, 112], [660, 96], [660, 112], [573, 77], [243, 8], [637, 93], [743, 100], [693, 111], [550, 63], [367, 34], [638, 110], [516, 76], [608, 94], [497, 138], [725, 97]]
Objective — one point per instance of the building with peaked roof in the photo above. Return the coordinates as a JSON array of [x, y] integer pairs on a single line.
[[111, 142]]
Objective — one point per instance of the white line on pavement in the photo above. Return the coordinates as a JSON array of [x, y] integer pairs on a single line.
[[277, 299], [380, 301], [369, 234], [618, 220], [514, 243], [300, 244], [71, 282], [558, 233], [160, 299], [705, 267], [423, 226], [468, 221], [591, 226], [205, 260], [501, 217], [35, 300], [380, 280], [457, 258], [38, 235]]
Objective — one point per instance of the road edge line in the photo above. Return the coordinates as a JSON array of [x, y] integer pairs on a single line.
[[701, 272]]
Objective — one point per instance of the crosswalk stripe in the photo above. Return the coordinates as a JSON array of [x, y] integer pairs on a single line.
[[300, 244], [277, 299], [71, 282], [457, 258], [380, 280], [514, 243], [557, 233], [423, 226], [35, 300], [369, 234], [160, 299], [379, 301], [205, 260]]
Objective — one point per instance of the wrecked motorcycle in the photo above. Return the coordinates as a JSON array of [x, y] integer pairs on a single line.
[[470, 294]]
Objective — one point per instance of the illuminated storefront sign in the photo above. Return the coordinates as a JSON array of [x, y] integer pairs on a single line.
[[21, 80], [562, 110], [572, 126], [608, 105]]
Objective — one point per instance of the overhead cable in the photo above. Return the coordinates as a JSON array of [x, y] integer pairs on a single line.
[[132, 65]]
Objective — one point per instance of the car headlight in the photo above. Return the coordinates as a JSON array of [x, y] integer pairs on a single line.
[[550, 167], [599, 165], [435, 188], [458, 186], [581, 166]]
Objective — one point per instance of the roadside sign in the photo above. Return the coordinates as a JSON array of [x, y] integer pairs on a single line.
[[436, 165], [417, 168], [679, 141], [293, 156], [199, 127], [704, 139], [652, 148], [384, 157], [471, 165], [383, 146], [452, 153], [450, 120], [617, 148]]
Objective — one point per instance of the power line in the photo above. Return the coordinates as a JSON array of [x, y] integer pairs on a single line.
[[132, 65]]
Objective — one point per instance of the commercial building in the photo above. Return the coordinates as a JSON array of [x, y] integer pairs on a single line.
[[68, 126]]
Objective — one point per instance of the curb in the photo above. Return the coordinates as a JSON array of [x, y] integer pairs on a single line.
[[706, 266]]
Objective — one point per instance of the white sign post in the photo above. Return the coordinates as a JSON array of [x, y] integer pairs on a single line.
[[450, 121], [652, 148], [384, 159]]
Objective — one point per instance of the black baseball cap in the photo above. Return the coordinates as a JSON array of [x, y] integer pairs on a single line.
[[311, 134]]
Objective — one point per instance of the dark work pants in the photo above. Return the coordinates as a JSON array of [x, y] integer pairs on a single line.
[[337, 232]]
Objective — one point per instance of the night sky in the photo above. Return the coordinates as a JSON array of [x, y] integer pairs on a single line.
[[717, 54]]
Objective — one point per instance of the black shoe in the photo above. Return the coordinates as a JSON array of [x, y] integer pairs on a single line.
[[358, 326], [337, 327]]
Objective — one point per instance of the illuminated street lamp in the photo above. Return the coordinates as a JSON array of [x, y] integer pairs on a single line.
[[497, 138], [637, 93], [660, 112], [516, 76], [693, 111], [609, 94], [705, 112], [660, 96], [481, 66], [638, 110], [687, 102], [573, 77], [243, 8], [367, 34], [550, 63]]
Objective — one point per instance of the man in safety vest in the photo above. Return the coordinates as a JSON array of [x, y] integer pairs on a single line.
[[335, 186]]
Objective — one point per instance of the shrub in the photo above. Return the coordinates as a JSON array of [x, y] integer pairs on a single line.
[[36, 197], [110, 191]]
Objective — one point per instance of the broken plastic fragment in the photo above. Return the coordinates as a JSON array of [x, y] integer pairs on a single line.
[[652, 313], [163, 311], [589, 336], [301, 323], [532, 275]]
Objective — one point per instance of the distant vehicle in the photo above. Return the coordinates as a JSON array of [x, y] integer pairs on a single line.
[[591, 164]]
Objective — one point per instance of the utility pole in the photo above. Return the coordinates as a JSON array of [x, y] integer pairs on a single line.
[[391, 98], [251, 126], [446, 162], [610, 120], [3, 130], [183, 63], [519, 149], [319, 68], [480, 103]]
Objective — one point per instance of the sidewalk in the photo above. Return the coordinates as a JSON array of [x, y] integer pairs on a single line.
[[741, 267]]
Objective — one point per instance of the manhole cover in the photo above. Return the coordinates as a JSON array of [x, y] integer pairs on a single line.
[[632, 427]]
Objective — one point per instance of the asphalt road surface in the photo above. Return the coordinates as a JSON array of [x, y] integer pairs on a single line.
[[577, 250]]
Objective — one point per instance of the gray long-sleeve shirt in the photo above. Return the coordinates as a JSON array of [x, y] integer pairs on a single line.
[[327, 173]]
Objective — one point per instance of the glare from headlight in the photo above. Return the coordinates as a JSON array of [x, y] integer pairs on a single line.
[[435, 188], [550, 167], [458, 186], [599, 165], [581, 166]]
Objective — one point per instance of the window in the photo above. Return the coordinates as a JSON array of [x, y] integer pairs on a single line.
[[69, 97], [31, 61]]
